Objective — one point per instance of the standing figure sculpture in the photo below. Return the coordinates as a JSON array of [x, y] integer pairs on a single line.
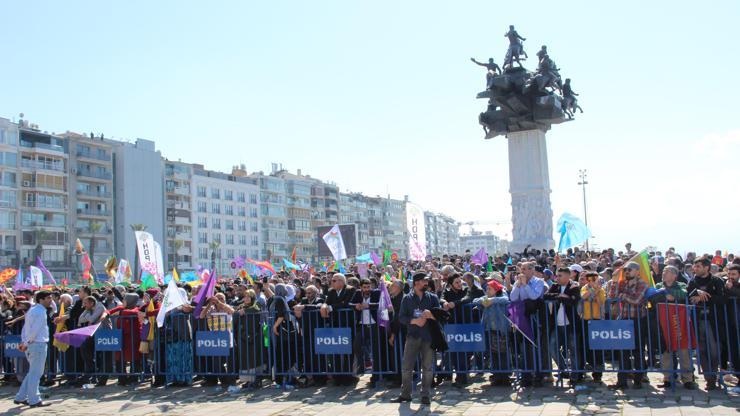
[[493, 70], [547, 75], [542, 53], [570, 102], [516, 48]]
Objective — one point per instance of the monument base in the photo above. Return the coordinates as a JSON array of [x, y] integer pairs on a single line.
[[529, 185]]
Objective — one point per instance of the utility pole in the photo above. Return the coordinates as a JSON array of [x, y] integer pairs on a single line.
[[583, 183]]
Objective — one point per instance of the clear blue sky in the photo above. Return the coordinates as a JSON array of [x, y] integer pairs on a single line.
[[380, 97]]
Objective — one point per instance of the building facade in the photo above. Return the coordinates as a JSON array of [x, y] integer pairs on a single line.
[[487, 240], [179, 218], [10, 220]]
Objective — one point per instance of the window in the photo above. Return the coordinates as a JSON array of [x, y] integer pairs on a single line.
[[8, 159], [202, 206], [230, 253], [7, 220], [252, 198], [216, 223], [228, 195], [242, 226], [253, 212], [229, 209], [203, 238], [7, 199], [242, 240], [240, 197], [242, 211], [203, 253], [255, 240], [229, 224], [215, 193], [230, 239], [253, 227], [202, 191], [215, 208], [8, 179], [217, 238], [202, 222]]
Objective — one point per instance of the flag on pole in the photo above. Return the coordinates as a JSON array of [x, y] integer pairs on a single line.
[[86, 266], [293, 256], [263, 264], [175, 276], [383, 303], [573, 231], [40, 265], [519, 319], [290, 265], [147, 281], [61, 327], [365, 258], [37, 277], [480, 257], [387, 257], [77, 336], [376, 259], [172, 299], [7, 274], [335, 242], [645, 273], [204, 293]]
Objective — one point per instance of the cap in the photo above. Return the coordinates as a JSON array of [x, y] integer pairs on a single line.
[[576, 268], [548, 272], [495, 285], [419, 276]]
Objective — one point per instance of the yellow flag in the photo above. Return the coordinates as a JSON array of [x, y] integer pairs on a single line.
[[175, 275], [249, 278], [150, 308], [61, 327]]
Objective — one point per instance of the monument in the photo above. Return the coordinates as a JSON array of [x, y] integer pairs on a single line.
[[522, 106]]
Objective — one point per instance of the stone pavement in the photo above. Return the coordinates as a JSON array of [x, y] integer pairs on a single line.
[[478, 399]]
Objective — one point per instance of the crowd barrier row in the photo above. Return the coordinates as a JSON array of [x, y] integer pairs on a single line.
[[554, 338]]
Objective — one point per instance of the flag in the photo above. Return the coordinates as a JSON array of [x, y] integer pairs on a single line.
[[387, 277], [40, 265], [123, 271], [645, 273], [331, 269], [376, 259], [675, 323], [573, 231], [341, 268], [291, 265], [335, 242], [293, 255], [400, 274], [172, 299], [386, 257], [149, 324], [519, 318], [77, 336], [86, 265], [362, 269], [37, 277], [147, 281], [383, 303], [110, 267], [249, 278], [365, 258], [480, 257], [489, 267], [61, 327], [7, 274], [263, 264], [159, 261], [204, 293], [175, 275]]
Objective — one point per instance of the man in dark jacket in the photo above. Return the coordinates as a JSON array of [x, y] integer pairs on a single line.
[[336, 310], [563, 321], [452, 302], [415, 312], [708, 294], [369, 336]]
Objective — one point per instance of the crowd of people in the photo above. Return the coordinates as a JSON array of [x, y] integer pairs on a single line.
[[271, 321]]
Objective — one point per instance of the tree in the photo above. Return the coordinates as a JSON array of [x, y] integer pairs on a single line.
[[135, 228], [176, 246], [214, 246], [40, 236]]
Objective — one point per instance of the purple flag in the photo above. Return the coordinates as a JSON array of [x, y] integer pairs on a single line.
[[375, 258], [205, 292], [481, 257], [383, 304], [44, 270], [362, 269], [519, 318], [77, 336]]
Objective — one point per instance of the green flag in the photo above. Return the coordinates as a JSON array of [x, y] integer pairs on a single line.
[[387, 257], [147, 281]]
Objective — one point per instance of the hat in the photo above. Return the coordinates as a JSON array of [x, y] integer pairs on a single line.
[[419, 276], [495, 285], [548, 272], [576, 268], [632, 265]]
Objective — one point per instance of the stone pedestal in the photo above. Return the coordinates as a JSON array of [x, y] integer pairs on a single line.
[[529, 185]]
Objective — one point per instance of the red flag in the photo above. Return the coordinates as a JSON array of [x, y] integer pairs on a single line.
[[86, 265], [293, 256], [263, 264], [675, 324]]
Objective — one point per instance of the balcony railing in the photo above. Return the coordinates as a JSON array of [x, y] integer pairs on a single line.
[[35, 164], [42, 224], [32, 145], [89, 155], [33, 184], [84, 230], [99, 194], [97, 212], [44, 205], [98, 175]]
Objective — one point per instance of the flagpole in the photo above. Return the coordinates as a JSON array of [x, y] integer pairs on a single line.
[[583, 183]]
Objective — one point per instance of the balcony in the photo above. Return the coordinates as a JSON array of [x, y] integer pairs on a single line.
[[94, 156], [182, 220], [106, 176], [87, 231], [179, 205], [36, 185], [38, 165], [93, 212], [93, 193], [45, 205], [44, 148], [43, 224]]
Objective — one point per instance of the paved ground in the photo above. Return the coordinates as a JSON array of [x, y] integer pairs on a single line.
[[478, 399]]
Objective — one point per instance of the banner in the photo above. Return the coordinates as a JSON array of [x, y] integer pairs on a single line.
[[122, 270], [676, 328], [147, 250], [159, 262], [465, 337], [108, 340], [611, 335], [417, 232], [335, 242], [37, 277], [212, 343], [333, 341], [10, 348]]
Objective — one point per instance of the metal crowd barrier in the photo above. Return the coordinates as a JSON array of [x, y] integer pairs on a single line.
[[673, 338]]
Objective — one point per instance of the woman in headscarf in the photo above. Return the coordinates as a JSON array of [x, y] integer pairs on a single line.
[[179, 346], [250, 349], [130, 325], [285, 334]]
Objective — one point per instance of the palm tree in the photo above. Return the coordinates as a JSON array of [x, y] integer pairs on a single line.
[[214, 246], [40, 236], [94, 227], [135, 228], [176, 246]]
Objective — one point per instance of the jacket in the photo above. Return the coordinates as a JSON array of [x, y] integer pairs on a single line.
[[494, 315], [570, 303], [436, 325], [374, 300]]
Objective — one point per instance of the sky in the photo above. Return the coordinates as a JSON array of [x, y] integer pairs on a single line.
[[379, 97]]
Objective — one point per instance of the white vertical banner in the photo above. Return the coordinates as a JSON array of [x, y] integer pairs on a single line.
[[37, 277], [335, 242], [147, 250], [160, 262], [121, 272], [417, 232]]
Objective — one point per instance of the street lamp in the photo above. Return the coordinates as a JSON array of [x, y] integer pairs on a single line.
[[583, 183]]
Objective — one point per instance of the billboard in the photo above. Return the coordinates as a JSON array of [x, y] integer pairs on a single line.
[[349, 235], [416, 231]]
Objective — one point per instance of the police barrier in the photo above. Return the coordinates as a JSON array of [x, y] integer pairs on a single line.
[[567, 340]]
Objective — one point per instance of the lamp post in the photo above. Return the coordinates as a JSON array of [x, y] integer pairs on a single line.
[[583, 183]]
